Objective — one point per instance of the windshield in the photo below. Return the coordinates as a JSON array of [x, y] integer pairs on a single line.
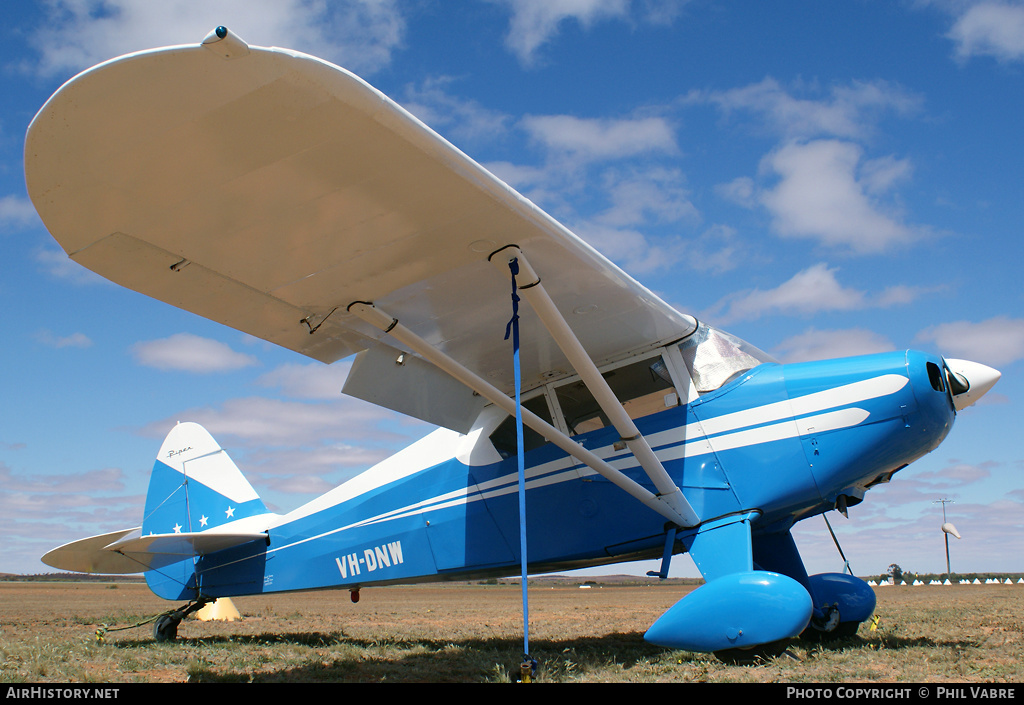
[[715, 357]]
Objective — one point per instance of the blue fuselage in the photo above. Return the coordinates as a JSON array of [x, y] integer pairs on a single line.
[[783, 442]]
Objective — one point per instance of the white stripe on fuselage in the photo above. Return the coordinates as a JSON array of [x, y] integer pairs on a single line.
[[772, 422]]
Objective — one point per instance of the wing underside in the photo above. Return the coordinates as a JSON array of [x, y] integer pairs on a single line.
[[270, 191]]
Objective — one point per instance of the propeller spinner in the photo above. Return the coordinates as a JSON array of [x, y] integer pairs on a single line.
[[968, 381]]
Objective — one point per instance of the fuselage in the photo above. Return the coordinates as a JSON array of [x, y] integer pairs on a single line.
[[782, 441]]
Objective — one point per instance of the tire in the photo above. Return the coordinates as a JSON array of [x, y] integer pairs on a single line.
[[166, 628]]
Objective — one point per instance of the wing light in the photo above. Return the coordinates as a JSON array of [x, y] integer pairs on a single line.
[[225, 43]]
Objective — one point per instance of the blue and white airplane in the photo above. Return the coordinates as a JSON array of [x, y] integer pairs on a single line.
[[283, 196]]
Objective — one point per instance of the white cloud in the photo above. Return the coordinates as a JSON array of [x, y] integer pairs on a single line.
[[990, 29], [997, 341], [810, 291], [17, 212], [641, 201], [825, 188], [190, 353], [75, 340], [589, 139], [312, 381], [958, 475], [519, 176], [311, 470], [89, 481], [358, 34], [571, 148], [848, 111], [644, 196], [536, 22], [879, 175], [815, 344], [630, 206], [741, 190], [262, 422], [826, 193], [300, 447], [59, 265], [259, 423], [715, 250], [460, 119], [629, 248]]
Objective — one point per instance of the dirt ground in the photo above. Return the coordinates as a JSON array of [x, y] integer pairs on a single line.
[[474, 633]]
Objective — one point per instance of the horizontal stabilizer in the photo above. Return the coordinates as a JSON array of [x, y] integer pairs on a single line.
[[88, 556], [124, 552], [182, 545]]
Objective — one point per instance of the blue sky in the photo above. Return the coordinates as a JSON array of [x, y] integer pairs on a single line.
[[821, 179]]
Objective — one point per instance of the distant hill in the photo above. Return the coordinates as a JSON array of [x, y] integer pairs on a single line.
[[70, 577]]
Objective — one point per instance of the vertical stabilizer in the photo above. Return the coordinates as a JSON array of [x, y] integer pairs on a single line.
[[195, 486]]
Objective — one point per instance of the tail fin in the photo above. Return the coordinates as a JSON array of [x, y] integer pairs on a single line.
[[195, 485]]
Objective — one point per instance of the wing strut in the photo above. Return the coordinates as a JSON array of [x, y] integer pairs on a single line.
[[535, 293], [389, 324]]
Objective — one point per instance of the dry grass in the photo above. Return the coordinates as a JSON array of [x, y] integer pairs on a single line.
[[473, 633]]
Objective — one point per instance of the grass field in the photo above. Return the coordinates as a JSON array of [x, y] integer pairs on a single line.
[[473, 633]]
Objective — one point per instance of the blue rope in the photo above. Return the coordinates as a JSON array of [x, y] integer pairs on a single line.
[[513, 328]]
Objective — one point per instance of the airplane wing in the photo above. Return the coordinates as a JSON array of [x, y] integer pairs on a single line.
[[267, 190]]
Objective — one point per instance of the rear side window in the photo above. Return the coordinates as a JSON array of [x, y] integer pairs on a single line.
[[504, 436]]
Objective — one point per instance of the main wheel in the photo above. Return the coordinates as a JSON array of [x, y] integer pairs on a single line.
[[753, 654], [166, 627]]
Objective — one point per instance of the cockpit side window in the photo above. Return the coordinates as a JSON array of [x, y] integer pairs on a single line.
[[642, 387]]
